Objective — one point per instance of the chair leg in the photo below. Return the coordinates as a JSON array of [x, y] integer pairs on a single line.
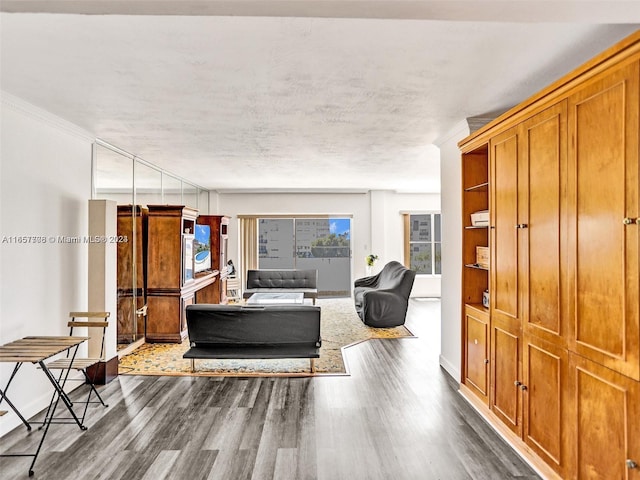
[[312, 365], [90, 382]]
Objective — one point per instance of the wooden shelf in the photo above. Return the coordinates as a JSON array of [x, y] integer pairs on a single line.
[[474, 227], [477, 306], [481, 187], [476, 266]]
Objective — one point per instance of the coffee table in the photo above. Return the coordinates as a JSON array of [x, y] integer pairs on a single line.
[[293, 298]]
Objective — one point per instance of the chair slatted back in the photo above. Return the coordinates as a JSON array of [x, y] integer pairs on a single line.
[[90, 323]]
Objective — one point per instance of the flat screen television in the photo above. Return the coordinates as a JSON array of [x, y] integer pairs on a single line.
[[202, 248]]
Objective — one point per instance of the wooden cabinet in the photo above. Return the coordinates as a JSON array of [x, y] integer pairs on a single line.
[[475, 325], [169, 289], [504, 224], [546, 402], [541, 218], [603, 192], [605, 422], [131, 272], [564, 317], [476, 348]]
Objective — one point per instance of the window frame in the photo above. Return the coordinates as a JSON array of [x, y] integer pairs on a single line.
[[407, 241]]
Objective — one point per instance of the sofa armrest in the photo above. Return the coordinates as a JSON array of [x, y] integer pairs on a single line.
[[384, 304]]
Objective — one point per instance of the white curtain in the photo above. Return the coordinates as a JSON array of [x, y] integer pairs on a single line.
[[248, 245]]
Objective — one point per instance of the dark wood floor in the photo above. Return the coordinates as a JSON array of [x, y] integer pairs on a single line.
[[397, 416]]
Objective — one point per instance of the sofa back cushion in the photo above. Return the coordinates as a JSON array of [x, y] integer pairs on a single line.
[[282, 279], [393, 275]]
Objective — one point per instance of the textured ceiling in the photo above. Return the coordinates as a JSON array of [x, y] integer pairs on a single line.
[[250, 102]]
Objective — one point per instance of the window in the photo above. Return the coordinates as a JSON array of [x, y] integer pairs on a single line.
[[423, 243], [317, 243]]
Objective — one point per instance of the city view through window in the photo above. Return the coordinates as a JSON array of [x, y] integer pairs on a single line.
[[323, 244]]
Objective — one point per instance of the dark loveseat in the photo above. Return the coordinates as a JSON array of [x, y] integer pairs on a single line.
[[381, 300], [240, 331], [282, 281]]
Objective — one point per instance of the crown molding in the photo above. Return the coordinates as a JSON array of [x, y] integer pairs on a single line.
[[17, 104], [458, 131]]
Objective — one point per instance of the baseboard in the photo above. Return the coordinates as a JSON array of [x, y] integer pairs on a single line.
[[449, 367], [516, 443]]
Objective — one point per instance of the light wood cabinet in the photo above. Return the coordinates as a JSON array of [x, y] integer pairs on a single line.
[[475, 282], [603, 191], [504, 222], [605, 422], [476, 347], [505, 397], [564, 317], [546, 402], [541, 218]]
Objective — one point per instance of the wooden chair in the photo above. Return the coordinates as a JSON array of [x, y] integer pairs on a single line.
[[95, 321]]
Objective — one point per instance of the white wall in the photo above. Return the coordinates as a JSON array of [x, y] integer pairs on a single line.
[[45, 185], [451, 197], [376, 221]]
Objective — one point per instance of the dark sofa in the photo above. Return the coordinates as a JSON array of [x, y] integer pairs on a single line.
[[282, 281], [381, 300], [264, 331]]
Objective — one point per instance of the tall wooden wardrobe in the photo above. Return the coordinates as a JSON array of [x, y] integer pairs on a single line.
[[553, 362]]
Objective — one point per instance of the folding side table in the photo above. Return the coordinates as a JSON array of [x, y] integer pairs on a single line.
[[36, 350]]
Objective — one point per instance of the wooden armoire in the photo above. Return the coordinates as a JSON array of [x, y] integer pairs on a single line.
[[171, 282], [553, 362]]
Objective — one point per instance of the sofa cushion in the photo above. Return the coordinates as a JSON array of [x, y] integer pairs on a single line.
[[288, 279]]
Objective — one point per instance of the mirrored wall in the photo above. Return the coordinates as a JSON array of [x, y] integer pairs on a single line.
[[134, 184]]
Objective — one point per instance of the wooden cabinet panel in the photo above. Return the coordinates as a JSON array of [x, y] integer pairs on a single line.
[[164, 321], [541, 173], [208, 294], [545, 401], [603, 189], [127, 275], [505, 394], [165, 251], [504, 218], [476, 366], [605, 423]]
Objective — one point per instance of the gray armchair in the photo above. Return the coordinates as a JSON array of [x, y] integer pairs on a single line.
[[381, 300]]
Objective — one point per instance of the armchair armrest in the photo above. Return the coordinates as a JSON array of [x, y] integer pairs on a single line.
[[371, 281]]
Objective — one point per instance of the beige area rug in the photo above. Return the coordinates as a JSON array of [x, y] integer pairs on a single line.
[[340, 328]]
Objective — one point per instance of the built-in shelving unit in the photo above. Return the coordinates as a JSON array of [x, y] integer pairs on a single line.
[[475, 197]]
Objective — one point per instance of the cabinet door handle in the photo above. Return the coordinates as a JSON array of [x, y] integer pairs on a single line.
[[523, 387], [630, 220], [631, 464], [486, 361], [517, 383], [522, 225]]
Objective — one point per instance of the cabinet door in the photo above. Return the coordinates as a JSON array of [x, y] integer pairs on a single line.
[[505, 398], [603, 191], [504, 219], [541, 175], [546, 401], [605, 422], [476, 352]]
